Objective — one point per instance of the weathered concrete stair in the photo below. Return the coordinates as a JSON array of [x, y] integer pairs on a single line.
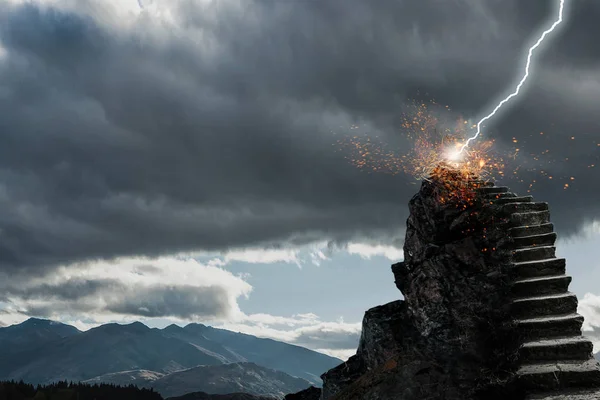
[[522, 207], [512, 199], [576, 394], [503, 196], [492, 189], [553, 355], [530, 218], [541, 285], [521, 231], [550, 304], [560, 374], [538, 268], [534, 253], [540, 239], [551, 326], [562, 348]]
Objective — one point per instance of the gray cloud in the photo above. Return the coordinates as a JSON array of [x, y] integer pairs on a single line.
[[320, 337], [175, 301], [69, 290], [216, 133], [102, 296]]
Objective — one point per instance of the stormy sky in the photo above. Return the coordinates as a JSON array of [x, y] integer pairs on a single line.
[[176, 160]]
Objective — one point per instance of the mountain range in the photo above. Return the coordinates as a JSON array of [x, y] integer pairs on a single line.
[[215, 379], [175, 360]]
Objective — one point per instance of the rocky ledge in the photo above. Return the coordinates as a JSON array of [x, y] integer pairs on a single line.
[[486, 313]]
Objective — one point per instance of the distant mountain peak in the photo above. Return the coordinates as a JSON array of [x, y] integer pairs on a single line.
[[137, 324], [195, 326], [40, 323], [113, 327]]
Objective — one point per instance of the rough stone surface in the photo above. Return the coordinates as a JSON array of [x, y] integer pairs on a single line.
[[312, 393], [585, 394], [486, 311], [342, 376], [384, 328], [450, 338]]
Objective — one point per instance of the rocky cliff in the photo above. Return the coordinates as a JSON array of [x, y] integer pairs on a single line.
[[486, 313]]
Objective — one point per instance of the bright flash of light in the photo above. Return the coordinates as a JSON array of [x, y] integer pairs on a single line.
[[434, 143], [516, 92], [453, 154]]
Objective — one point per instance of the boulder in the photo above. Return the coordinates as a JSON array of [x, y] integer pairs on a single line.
[[452, 336], [312, 393]]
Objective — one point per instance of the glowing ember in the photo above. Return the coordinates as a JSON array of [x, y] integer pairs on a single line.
[[434, 144], [454, 186]]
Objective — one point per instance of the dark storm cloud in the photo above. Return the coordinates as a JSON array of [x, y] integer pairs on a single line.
[[69, 290], [176, 301], [216, 133], [112, 296]]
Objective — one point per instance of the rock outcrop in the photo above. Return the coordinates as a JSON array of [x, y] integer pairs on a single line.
[[486, 313], [312, 393]]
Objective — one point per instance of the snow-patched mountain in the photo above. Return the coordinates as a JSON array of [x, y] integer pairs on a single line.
[[48, 352], [138, 377], [214, 379]]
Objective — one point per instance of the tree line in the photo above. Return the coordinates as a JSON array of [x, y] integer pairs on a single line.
[[13, 390]]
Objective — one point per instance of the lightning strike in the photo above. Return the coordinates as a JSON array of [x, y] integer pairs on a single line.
[[516, 92]]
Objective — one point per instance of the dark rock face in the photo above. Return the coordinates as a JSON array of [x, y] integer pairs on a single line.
[[452, 337], [383, 332], [342, 376], [312, 393]]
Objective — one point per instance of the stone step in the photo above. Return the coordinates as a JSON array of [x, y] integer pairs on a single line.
[[559, 375], [541, 285], [530, 230], [568, 394], [513, 199], [544, 239], [533, 253], [530, 218], [548, 327], [521, 207], [539, 268], [480, 182], [495, 197], [566, 348], [492, 189], [550, 304]]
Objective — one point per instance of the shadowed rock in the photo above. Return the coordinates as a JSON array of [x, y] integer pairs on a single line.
[[486, 311], [312, 393], [451, 334]]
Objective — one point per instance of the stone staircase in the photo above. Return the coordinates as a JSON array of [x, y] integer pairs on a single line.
[[556, 361]]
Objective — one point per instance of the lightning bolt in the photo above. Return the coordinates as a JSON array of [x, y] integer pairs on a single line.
[[516, 92]]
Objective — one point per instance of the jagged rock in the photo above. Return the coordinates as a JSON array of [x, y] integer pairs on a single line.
[[451, 337], [312, 393], [406, 376], [337, 379], [486, 311], [383, 330]]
